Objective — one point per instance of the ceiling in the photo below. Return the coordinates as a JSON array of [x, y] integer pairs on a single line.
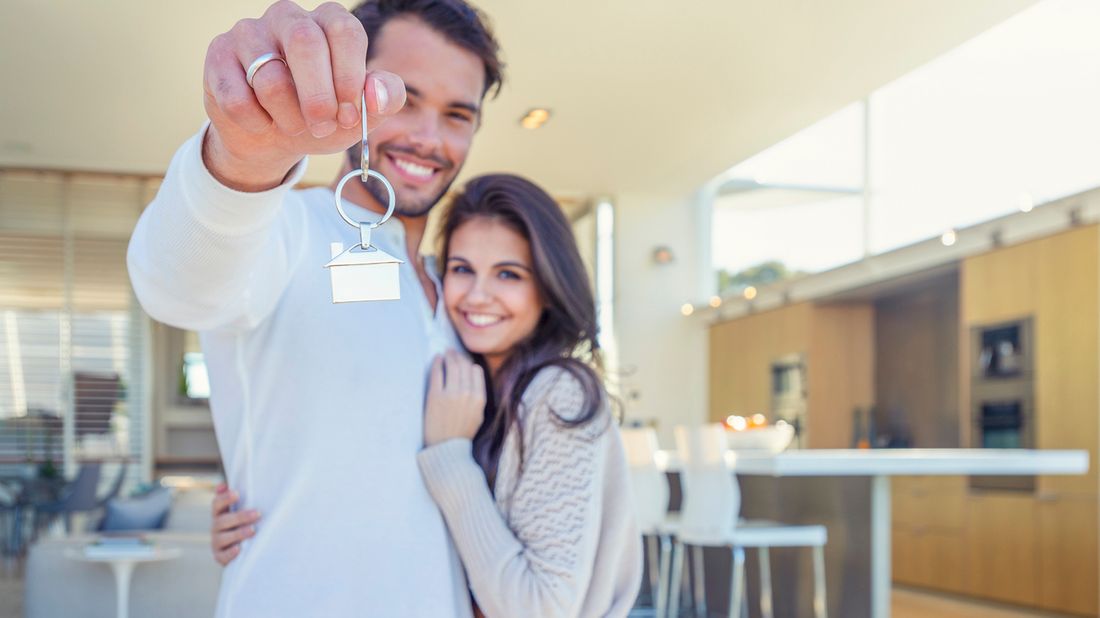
[[647, 97]]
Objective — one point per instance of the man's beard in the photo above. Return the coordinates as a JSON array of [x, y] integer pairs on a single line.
[[405, 208]]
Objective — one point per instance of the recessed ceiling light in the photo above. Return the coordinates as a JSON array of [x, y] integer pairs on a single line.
[[1026, 202], [535, 118]]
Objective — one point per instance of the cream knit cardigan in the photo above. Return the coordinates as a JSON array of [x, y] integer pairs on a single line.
[[559, 538]]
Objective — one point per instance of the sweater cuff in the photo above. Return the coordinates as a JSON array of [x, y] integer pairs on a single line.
[[450, 472], [224, 210]]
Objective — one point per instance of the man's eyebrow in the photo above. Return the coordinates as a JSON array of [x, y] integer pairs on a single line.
[[470, 107], [473, 108]]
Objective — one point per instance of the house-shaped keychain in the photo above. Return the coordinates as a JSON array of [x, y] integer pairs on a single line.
[[363, 272]]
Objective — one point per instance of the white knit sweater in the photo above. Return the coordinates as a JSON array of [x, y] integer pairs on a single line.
[[559, 537]]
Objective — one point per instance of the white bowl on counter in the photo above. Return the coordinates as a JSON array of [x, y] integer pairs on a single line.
[[770, 439]]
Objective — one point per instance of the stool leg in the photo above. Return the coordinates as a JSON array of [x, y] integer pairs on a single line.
[[700, 597], [685, 586], [677, 574], [651, 565], [737, 583], [820, 607], [662, 576], [766, 608]]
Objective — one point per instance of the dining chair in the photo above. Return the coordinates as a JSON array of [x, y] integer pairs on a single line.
[[9, 503], [710, 518], [116, 486], [650, 491], [77, 496]]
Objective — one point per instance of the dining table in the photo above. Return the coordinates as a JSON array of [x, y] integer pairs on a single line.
[[879, 466]]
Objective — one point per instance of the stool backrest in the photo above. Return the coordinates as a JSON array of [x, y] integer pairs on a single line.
[[711, 496], [648, 483]]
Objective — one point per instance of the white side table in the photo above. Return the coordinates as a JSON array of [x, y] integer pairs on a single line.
[[122, 565]]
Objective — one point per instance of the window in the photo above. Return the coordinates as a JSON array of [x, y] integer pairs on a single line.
[[1006, 121], [71, 335]]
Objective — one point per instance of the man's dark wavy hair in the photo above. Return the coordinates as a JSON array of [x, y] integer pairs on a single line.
[[459, 22]]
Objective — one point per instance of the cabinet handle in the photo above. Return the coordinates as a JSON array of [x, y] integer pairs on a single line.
[[1047, 496]]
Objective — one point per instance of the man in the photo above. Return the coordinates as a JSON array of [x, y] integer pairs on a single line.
[[318, 407]]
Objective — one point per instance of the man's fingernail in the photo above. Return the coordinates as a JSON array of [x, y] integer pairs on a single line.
[[381, 95], [323, 129], [348, 115]]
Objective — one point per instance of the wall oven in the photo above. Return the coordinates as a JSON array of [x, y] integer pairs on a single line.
[[1001, 394]]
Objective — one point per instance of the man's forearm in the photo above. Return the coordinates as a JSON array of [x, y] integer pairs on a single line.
[[204, 255]]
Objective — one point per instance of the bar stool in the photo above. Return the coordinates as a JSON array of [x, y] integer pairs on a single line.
[[709, 518], [649, 488]]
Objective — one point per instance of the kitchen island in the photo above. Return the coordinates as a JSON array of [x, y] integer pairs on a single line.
[[830, 485]]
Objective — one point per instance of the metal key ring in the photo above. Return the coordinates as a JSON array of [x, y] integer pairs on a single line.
[[368, 173], [365, 173]]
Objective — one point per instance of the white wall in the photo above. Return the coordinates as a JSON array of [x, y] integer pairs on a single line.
[[662, 355]]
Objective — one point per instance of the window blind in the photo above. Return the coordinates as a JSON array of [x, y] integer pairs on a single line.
[[72, 339]]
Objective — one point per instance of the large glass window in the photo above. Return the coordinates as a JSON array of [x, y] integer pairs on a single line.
[[1004, 122]]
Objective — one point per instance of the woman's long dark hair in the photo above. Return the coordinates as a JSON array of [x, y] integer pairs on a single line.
[[565, 335]]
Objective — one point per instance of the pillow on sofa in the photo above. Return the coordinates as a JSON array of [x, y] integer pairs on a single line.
[[146, 512]]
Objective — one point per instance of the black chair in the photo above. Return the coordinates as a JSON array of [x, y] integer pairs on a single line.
[[116, 487], [77, 496], [9, 520]]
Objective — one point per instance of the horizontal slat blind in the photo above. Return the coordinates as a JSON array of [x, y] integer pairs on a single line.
[[71, 336]]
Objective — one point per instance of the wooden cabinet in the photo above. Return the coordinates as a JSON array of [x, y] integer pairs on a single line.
[[837, 343], [1029, 549], [1067, 360], [929, 532], [1001, 546], [1067, 541], [1042, 548]]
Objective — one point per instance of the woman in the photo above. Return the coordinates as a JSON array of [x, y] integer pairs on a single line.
[[520, 450]]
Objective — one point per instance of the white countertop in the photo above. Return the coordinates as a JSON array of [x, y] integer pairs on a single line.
[[899, 462]]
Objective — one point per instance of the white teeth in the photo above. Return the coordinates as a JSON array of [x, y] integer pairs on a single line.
[[413, 169], [480, 319]]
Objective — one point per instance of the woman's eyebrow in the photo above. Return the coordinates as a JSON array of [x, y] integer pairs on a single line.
[[513, 265]]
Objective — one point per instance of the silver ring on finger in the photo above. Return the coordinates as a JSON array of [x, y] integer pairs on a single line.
[[259, 62]]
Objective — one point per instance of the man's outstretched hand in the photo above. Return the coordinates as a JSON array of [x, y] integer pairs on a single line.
[[310, 105]]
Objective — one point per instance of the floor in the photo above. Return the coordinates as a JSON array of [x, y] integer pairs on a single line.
[[11, 590], [906, 603]]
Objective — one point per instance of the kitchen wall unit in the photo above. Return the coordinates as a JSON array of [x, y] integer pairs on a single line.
[[835, 341]]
